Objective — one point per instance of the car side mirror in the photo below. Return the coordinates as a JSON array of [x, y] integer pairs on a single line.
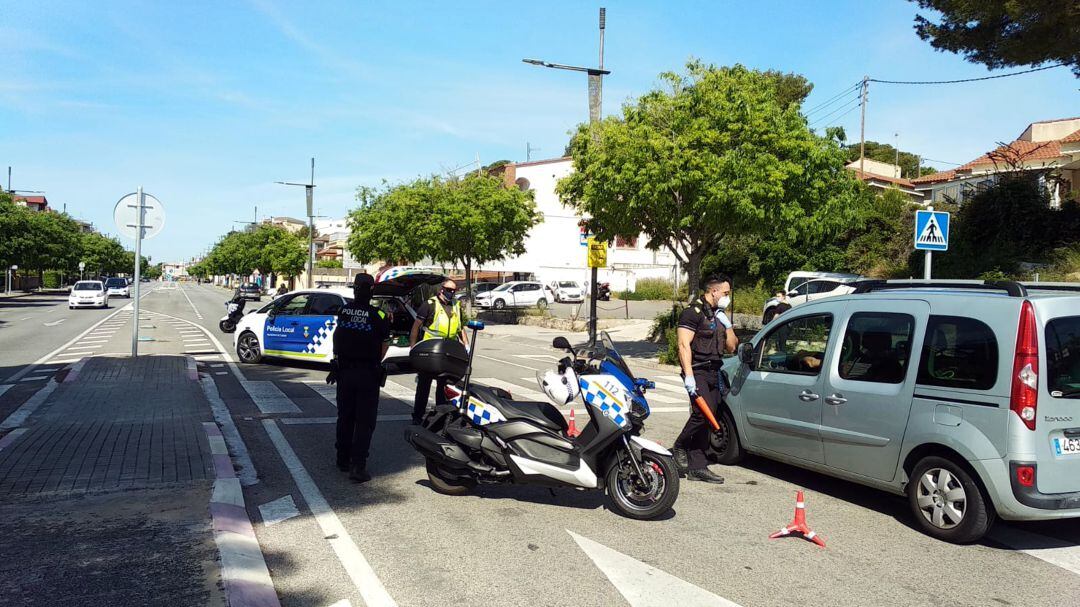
[[561, 343], [746, 353]]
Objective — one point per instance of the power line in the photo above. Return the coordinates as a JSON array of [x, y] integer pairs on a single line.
[[847, 106], [850, 110], [942, 161], [832, 99], [1037, 69]]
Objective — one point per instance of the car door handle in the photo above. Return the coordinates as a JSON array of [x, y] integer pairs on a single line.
[[835, 399], [807, 396]]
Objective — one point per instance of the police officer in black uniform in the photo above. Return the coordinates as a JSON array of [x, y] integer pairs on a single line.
[[360, 343], [704, 334]]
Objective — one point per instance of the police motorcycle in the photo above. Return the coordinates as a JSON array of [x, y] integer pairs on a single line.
[[483, 436], [234, 311]]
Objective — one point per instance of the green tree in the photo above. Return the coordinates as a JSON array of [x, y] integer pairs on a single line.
[[104, 256], [791, 88], [1003, 34], [393, 223], [479, 220], [713, 152], [469, 221]]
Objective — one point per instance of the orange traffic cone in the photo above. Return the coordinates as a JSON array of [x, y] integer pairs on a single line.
[[572, 431], [799, 524]]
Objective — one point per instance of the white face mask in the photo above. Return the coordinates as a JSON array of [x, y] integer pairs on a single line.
[[723, 302]]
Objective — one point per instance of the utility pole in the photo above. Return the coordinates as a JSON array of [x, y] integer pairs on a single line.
[[309, 191], [595, 98], [862, 124], [896, 147]]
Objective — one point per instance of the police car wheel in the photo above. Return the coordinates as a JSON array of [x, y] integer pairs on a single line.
[[247, 348]]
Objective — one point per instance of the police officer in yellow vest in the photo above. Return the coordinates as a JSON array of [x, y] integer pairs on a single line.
[[439, 318]]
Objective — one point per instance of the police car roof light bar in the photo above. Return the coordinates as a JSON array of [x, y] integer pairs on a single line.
[[1011, 287]]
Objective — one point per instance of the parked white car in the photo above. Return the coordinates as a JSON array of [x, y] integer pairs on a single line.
[[88, 294], [569, 291], [517, 294], [803, 286]]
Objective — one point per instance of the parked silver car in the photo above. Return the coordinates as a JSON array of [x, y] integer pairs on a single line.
[[963, 396]]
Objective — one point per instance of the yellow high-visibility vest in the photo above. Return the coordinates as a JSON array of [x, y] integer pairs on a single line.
[[443, 325]]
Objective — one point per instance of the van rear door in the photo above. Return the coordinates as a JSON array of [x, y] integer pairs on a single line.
[[1057, 420]]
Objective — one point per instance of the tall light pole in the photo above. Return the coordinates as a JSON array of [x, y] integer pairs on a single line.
[[309, 189], [596, 75]]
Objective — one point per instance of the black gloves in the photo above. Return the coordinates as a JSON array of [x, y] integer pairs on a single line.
[[331, 377]]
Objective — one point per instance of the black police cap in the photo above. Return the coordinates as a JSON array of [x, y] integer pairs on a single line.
[[363, 280]]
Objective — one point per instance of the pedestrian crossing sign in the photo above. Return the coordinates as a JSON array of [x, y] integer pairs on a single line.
[[931, 231]]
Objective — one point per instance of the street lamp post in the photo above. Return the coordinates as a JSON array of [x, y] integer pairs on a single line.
[[10, 272], [309, 190], [596, 75]]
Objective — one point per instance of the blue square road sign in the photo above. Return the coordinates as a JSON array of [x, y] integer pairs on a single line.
[[931, 231]]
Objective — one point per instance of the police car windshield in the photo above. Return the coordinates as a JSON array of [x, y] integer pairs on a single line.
[[88, 286], [116, 282]]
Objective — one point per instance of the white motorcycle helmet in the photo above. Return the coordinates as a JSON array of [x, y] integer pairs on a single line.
[[561, 389]]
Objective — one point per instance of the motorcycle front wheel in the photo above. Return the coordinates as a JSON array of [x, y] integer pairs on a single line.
[[643, 498], [445, 483]]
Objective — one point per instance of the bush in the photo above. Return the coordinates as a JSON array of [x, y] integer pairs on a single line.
[[1064, 265], [653, 289], [750, 300], [663, 331], [52, 279]]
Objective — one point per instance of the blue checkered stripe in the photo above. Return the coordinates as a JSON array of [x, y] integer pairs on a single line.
[[479, 413], [321, 336], [602, 398]]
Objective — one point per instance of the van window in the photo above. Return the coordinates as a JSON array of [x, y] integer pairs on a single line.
[[876, 347], [797, 346], [1063, 357], [958, 352], [823, 286]]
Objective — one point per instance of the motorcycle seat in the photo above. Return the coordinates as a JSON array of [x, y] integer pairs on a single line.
[[540, 413]]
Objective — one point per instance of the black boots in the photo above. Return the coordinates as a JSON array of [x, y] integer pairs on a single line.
[[359, 474], [681, 461], [705, 475]]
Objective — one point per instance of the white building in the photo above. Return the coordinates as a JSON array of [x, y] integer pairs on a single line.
[[555, 248]]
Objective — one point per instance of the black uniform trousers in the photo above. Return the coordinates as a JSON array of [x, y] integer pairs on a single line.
[[423, 392], [694, 437], [358, 408]]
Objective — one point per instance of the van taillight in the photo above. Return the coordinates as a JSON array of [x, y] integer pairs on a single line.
[[1025, 382]]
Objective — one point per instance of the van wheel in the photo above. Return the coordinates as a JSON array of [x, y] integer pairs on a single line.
[[724, 444], [947, 503]]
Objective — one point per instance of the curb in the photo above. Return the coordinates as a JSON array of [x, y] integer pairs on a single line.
[[75, 369], [192, 369], [243, 568]]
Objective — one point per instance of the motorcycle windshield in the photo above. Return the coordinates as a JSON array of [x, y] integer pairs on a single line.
[[611, 355]]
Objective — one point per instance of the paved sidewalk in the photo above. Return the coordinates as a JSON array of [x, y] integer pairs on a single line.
[[106, 488]]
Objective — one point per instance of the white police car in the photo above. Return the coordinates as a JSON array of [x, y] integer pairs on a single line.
[[300, 325]]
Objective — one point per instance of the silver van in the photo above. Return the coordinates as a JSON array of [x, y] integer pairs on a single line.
[[964, 396]]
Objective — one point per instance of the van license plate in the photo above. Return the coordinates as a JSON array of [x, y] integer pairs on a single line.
[[1066, 446]]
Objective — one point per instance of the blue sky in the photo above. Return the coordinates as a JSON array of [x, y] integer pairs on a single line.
[[206, 104]]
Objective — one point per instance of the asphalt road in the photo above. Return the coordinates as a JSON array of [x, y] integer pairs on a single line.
[[393, 540]]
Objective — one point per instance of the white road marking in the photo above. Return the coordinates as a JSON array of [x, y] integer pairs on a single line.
[[544, 357], [19, 416], [281, 509], [304, 421], [342, 603], [268, 398], [56, 322], [73, 348], [64, 360], [193, 308], [221, 372], [27, 369], [643, 585], [29, 317], [94, 340], [518, 392], [37, 377], [5, 388], [356, 565], [1052, 550], [505, 362]]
